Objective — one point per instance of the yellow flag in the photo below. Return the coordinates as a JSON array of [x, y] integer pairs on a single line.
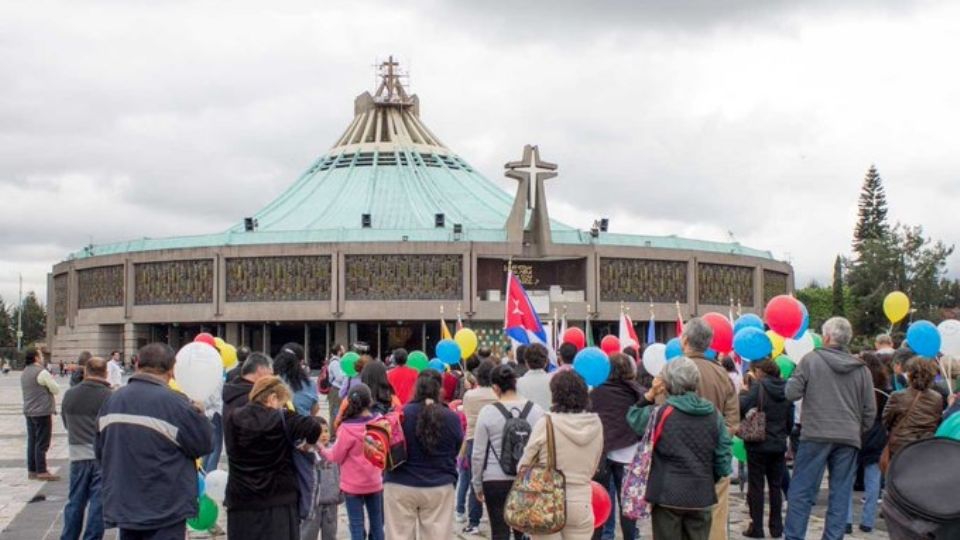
[[444, 331]]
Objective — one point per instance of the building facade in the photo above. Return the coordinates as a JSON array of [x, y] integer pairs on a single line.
[[382, 236]]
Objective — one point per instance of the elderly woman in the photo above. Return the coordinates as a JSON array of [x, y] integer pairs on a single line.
[[690, 457], [611, 401], [914, 413], [578, 437], [262, 493]]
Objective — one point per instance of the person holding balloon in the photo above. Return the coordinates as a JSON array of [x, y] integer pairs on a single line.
[[914, 413], [402, 377], [766, 459], [690, 456]]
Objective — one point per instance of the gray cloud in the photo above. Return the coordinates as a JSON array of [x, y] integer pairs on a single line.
[[127, 120]]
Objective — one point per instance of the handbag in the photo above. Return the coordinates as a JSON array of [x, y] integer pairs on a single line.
[[537, 501], [633, 494], [305, 471], [885, 456], [753, 428]]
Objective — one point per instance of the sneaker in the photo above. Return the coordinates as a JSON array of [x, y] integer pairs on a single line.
[[460, 517], [866, 529], [471, 529]]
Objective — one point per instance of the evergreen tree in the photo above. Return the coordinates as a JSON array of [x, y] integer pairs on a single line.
[[872, 211], [34, 320], [7, 331], [837, 305]]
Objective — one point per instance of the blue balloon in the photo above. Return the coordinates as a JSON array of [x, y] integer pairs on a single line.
[[806, 321], [437, 364], [201, 485], [711, 354], [752, 344], [924, 339], [448, 351], [747, 320], [593, 365], [674, 349]]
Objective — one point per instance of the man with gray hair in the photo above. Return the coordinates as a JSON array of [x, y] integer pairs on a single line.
[[690, 457], [838, 406], [716, 387]]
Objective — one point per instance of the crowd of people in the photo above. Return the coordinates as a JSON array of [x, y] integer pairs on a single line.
[[457, 441]]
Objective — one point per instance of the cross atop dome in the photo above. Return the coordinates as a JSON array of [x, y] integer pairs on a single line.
[[391, 90], [530, 172]]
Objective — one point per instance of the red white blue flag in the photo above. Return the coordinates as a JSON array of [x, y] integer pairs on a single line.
[[520, 320]]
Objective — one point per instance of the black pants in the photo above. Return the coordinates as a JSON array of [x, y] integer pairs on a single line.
[[615, 470], [767, 466], [177, 531], [677, 524], [495, 498], [39, 429]]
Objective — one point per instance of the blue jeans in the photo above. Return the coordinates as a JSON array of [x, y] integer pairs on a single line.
[[465, 488], [211, 460], [871, 492], [610, 526], [374, 504], [812, 459], [84, 490]]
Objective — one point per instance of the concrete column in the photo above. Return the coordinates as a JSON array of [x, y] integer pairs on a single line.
[[233, 332], [758, 289], [129, 341], [692, 287], [341, 333]]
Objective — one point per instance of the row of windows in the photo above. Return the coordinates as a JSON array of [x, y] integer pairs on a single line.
[[368, 159]]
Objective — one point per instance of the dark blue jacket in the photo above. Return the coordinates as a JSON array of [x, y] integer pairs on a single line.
[[428, 469], [150, 437]]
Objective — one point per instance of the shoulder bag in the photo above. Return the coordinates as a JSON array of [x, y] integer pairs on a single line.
[[753, 428], [633, 494], [537, 501]]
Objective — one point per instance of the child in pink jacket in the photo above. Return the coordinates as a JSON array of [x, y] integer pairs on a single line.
[[360, 480]]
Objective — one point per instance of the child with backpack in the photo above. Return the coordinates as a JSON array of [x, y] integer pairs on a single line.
[[327, 497], [502, 431], [360, 480]]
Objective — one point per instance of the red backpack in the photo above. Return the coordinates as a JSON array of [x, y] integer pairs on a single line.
[[323, 380], [384, 444]]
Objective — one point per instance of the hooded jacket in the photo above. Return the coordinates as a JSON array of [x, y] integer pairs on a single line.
[[579, 445], [357, 475], [610, 401], [692, 454], [778, 410], [837, 392], [236, 394], [260, 452]]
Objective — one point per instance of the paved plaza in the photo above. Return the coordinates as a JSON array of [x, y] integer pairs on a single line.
[[33, 510]]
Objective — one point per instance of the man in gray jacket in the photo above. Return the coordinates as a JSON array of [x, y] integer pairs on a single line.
[[838, 406], [39, 405]]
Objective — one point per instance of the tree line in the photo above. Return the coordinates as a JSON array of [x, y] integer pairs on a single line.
[[34, 322]]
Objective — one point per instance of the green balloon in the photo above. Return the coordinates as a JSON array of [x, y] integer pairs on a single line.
[[349, 363], [786, 366], [739, 450], [206, 517], [817, 341], [418, 360]]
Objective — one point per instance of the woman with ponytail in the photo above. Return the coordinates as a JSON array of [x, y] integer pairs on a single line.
[[420, 493], [360, 481]]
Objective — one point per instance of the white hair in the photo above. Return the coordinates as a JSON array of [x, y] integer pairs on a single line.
[[838, 331]]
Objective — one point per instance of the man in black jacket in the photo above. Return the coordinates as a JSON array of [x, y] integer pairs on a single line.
[[236, 393], [150, 438], [81, 405]]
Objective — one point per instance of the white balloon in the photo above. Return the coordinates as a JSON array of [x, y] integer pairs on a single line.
[[199, 371], [798, 348], [216, 482], [654, 358], [949, 337]]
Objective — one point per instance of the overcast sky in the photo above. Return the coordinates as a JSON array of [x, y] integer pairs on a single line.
[[120, 120]]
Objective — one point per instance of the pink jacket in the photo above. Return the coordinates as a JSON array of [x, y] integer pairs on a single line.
[[357, 475]]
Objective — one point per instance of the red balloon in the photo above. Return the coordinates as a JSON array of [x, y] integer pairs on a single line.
[[784, 315], [600, 500], [610, 344], [576, 337], [204, 337], [722, 332]]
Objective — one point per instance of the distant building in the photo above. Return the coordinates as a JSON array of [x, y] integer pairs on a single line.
[[380, 234]]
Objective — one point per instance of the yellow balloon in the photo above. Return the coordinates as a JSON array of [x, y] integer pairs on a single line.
[[172, 383], [778, 343], [896, 306], [467, 340], [219, 342], [228, 353]]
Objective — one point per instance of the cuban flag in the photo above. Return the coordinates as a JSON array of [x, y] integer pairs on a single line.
[[520, 320]]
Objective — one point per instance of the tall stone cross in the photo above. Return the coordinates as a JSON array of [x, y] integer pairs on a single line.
[[530, 172]]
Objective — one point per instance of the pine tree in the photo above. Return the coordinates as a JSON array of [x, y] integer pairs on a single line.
[[7, 331], [34, 320], [872, 211], [838, 307]]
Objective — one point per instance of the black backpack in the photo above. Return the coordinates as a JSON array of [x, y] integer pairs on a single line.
[[516, 433], [921, 501]]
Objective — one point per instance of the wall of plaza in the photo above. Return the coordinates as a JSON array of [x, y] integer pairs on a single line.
[[123, 301]]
